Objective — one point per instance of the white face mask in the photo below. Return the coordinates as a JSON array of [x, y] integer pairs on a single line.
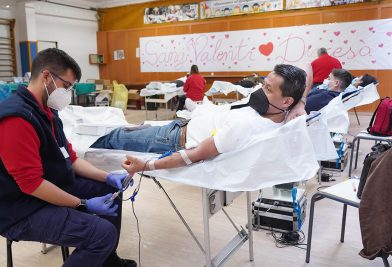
[[324, 85], [59, 98]]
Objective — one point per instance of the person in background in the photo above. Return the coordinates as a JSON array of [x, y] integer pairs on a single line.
[[364, 80], [193, 88], [322, 67], [338, 81], [47, 193]]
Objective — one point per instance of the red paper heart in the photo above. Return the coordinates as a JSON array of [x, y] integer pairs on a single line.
[[337, 33], [266, 49], [389, 34]]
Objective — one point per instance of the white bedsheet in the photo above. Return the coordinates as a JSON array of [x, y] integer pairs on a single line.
[[290, 158], [221, 87], [159, 88], [84, 125]]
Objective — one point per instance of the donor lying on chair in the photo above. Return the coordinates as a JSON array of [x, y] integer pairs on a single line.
[[213, 133]]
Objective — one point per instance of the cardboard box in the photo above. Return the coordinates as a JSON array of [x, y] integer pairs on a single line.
[[108, 87], [133, 94], [104, 82]]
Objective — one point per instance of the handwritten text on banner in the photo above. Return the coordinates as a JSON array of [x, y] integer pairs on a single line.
[[358, 45]]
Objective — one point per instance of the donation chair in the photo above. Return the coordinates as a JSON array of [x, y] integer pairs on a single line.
[[64, 252]]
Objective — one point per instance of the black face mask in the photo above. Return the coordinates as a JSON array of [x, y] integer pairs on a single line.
[[259, 102]]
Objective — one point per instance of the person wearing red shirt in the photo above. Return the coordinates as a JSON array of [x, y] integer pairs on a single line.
[[323, 65], [47, 193], [194, 87]]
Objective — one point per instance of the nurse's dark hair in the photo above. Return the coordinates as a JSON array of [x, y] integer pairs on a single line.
[[194, 69], [54, 60], [294, 81]]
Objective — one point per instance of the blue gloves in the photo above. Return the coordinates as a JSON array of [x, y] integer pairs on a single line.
[[97, 206], [116, 180]]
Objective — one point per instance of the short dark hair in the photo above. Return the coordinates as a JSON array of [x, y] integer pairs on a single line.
[[194, 69], [322, 51], [368, 79], [344, 76], [55, 60], [294, 81]]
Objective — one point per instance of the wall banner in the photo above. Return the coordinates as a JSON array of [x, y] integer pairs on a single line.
[[296, 4], [222, 8], [359, 45], [172, 13]]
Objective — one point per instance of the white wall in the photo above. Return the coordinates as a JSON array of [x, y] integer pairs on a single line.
[[10, 13], [74, 30]]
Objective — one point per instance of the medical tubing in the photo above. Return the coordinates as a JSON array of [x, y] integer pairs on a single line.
[[340, 153], [166, 154]]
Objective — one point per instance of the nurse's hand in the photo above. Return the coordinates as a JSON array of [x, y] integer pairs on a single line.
[[116, 180], [133, 164], [102, 205]]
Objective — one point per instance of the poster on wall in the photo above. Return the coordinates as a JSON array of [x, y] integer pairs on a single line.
[[172, 13], [297, 4], [360, 45], [119, 54], [222, 8]]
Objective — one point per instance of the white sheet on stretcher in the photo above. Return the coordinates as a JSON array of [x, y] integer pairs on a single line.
[[336, 112], [221, 87], [83, 126], [159, 88], [280, 156], [283, 155]]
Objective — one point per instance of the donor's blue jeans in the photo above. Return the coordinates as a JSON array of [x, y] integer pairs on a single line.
[[154, 139]]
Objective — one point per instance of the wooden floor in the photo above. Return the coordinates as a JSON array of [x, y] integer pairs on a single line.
[[166, 243]]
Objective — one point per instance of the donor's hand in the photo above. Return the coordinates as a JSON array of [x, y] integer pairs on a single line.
[[296, 111], [133, 164]]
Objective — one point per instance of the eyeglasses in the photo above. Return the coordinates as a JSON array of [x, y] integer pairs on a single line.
[[68, 85]]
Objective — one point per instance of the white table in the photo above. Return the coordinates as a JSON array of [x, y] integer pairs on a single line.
[[166, 98], [342, 192]]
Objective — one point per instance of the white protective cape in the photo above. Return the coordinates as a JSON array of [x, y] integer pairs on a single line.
[[336, 112]]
